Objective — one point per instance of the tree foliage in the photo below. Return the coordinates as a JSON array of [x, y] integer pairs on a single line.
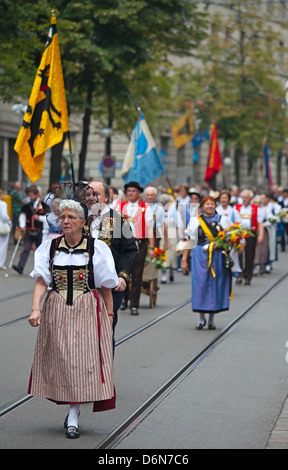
[[107, 48], [116, 55], [240, 83]]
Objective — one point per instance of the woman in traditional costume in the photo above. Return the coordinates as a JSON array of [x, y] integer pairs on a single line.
[[73, 358], [211, 279], [231, 217]]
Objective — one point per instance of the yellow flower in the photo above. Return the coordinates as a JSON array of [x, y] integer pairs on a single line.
[[233, 237], [221, 235]]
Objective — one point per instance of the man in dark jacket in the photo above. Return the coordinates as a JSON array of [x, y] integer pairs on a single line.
[[113, 228]]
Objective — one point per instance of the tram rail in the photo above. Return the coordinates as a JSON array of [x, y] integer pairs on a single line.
[[114, 437], [20, 401], [125, 428]]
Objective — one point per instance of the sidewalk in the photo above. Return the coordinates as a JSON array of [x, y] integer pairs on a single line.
[[279, 435]]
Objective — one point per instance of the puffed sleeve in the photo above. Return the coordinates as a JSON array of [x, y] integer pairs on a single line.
[[41, 262], [192, 231], [103, 266]]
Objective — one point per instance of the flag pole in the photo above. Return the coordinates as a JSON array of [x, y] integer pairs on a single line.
[[68, 133], [71, 160]]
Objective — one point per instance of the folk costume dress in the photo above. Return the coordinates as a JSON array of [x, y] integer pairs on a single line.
[[73, 359], [211, 281]]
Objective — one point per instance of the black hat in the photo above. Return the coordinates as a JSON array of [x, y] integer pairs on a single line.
[[194, 191], [134, 184]]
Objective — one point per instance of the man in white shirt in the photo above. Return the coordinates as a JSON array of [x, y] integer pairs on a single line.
[[140, 216], [251, 220]]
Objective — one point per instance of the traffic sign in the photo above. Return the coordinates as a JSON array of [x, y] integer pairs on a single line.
[[108, 163]]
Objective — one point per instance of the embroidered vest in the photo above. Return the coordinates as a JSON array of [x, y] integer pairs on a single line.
[[211, 226], [254, 215], [138, 220], [72, 281]]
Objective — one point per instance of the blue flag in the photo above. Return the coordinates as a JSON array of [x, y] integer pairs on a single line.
[[142, 162], [200, 137]]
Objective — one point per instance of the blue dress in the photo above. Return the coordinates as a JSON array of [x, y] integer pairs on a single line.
[[209, 294]]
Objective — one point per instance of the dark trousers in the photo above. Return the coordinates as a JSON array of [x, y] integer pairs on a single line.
[[246, 259], [28, 242], [117, 300], [133, 292]]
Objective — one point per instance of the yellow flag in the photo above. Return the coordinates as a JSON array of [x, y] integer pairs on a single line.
[[183, 130], [46, 117]]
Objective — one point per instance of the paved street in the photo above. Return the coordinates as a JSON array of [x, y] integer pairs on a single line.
[[239, 388]]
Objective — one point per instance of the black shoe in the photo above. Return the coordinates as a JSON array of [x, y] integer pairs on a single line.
[[200, 325], [211, 327], [134, 311], [66, 420], [19, 270], [72, 432], [123, 305]]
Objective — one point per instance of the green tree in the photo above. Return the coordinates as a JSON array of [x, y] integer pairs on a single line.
[[105, 46], [239, 82], [115, 42]]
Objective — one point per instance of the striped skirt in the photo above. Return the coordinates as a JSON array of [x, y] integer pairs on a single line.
[[73, 357]]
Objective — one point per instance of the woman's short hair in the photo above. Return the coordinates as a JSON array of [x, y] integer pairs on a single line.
[[73, 205], [207, 198], [225, 191]]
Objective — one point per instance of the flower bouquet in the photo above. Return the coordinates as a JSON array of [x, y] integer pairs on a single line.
[[283, 215], [232, 237], [275, 219], [159, 259]]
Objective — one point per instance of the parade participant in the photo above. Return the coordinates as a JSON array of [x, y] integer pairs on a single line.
[[269, 211], [55, 192], [235, 198], [159, 232], [183, 197], [73, 358], [159, 227], [31, 222], [112, 227], [115, 199], [140, 216], [170, 218], [284, 205], [17, 203], [251, 220], [4, 237], [195, 196], [53, 219], [183, 206], [226, 210], [211, 280]]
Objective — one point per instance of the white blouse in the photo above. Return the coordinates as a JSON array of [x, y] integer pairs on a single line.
[[192, 228], [103, 263], [4, 217]]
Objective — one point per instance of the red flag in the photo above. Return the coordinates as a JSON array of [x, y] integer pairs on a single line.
[[214, 163]]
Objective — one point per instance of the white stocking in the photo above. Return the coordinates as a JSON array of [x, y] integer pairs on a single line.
[[73, 415], [202, 318]]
